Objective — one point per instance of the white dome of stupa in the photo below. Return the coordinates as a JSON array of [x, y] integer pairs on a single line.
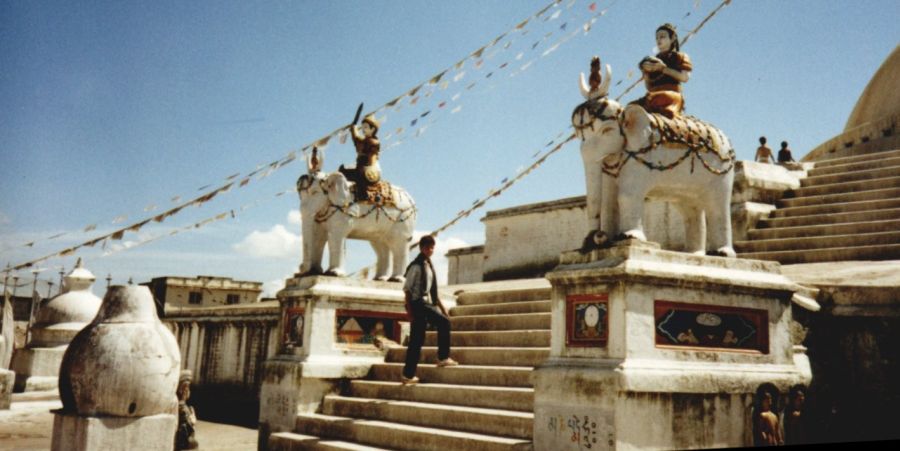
[[60, 318]]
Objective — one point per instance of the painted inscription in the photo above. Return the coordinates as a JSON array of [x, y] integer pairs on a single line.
[[587, 319], [363, 327], [581, 431], [708, 326]]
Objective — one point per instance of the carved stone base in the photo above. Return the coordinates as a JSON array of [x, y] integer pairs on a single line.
[[659, 349], [72, 432], [327, 330]]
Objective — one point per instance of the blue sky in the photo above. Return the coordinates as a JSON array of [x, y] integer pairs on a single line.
[[111, 107]]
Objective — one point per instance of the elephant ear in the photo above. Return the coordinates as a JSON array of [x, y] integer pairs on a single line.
[[339, 189]]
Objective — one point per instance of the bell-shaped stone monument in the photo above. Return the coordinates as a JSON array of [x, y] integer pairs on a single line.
[[118, 379], [55, 324]]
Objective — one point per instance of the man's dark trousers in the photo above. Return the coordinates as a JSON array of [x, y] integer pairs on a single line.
[[423, 313]]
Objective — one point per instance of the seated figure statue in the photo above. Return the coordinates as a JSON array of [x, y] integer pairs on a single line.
[[367, 172], [664, 74]]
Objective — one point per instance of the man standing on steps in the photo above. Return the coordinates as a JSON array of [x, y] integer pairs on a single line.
[[424, 306]]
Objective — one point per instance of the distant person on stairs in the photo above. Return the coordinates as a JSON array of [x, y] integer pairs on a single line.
[[763, 152], [424, 306], [786, 159]]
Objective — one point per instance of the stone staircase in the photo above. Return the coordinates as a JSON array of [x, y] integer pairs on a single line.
[[485, 403], [845, 209]]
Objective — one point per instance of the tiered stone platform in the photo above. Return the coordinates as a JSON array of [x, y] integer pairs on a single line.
[[499, 334], [846, 209]]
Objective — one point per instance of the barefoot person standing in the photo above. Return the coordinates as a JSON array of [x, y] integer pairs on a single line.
[[424, 306]]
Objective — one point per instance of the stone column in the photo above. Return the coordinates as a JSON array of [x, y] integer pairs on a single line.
[[325, 331], [118, 379], [660, 349]]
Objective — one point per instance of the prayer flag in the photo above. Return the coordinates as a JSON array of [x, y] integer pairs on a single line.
[[593, 6], [459, 76], [118, 235], [90, 228], [456, 110]]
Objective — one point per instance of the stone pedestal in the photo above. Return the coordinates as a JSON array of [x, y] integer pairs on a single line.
[[659, 349], [118, 378], [328, 327], [72, 432], [7, 378], [37, 369]]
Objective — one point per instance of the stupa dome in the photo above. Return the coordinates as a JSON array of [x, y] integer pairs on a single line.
[[881, 98], [61, 317]]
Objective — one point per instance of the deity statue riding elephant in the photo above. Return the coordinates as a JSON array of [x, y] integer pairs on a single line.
[[631, 155], [330, 215]]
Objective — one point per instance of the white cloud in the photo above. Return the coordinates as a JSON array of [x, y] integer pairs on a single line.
[[278, 242], [294, 217], [272, 287], [4, 219]]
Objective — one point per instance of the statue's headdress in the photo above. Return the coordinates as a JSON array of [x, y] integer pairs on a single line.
[[370, 119]]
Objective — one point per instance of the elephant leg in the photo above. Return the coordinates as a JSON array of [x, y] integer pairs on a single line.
[[609, 215], [317, 252], [400, 255], [382, 259], [336, 243], [631, 208], [718, 215], [694, 227]]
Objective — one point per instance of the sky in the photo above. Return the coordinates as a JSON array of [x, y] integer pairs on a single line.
[[113, 109]]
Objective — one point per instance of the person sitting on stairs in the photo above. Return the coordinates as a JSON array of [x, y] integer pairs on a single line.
[[423, 305]]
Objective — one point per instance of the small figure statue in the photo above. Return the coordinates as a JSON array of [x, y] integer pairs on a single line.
[[367, 171], [766, 430], [793, 421], [664, 74], [187, 417], [784, 155], [763, 152]]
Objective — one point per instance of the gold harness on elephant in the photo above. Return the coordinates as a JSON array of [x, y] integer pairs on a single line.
[[698, 139], [382, 199]]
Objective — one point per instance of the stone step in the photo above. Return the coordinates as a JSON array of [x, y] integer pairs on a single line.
[[539, 338], [876, 156], [837, 218], [504, 423], [825, 229], [291, 441], [403, 436], [842, 187], [502, 308], [882, 252], [539, 292], [844, 207], [854, 166], [517, 321], [508, 398], [500, 376], [875, 194], [819, 242], [504, 356], [879, 172]]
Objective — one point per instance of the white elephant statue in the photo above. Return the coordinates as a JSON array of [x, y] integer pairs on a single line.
[[330, 215], [630, 155]]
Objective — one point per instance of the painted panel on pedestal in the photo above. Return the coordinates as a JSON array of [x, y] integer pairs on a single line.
[[709, 326], [292, 335], [363, 327], [587, 319]]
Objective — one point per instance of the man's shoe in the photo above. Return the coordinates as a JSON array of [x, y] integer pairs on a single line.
[[447, 362], [409, 380]]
